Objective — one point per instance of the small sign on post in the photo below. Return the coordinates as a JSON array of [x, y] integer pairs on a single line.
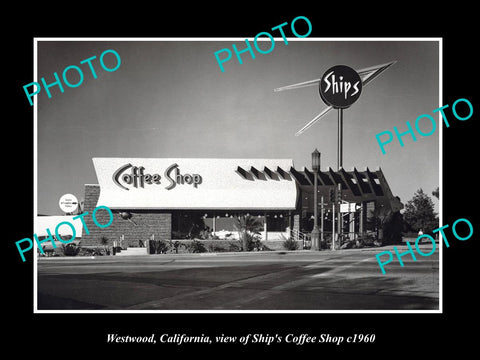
[[349, 207], [68, 203]]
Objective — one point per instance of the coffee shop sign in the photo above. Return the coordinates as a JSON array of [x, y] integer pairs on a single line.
[[134, 176]]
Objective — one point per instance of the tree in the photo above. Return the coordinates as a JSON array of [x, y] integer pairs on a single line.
[[419, 213], [392, 228], [378, 217], [436, 193]]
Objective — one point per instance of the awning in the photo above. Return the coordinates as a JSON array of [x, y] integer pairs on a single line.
[[172, 183]]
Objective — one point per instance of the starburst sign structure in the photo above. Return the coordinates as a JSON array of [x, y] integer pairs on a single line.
[[366, 76], [339, 87]]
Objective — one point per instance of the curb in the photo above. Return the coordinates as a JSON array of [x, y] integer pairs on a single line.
[[236, 253]]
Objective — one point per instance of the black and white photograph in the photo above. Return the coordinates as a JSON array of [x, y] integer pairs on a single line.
[[240, 181], [208, 176]]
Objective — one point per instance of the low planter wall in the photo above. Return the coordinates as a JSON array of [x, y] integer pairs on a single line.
[[189, 246]]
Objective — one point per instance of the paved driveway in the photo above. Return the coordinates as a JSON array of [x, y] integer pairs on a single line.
[[326, 280]]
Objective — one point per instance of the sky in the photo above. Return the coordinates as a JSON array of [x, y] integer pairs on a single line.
[[169, 99]]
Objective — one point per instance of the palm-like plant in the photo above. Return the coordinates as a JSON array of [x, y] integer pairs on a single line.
[[104, 241], [248, 226]]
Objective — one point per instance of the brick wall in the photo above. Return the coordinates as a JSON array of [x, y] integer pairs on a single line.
[[141, 226]]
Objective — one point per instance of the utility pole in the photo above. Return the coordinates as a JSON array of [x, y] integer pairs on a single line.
[[315, 168], [333, 226]]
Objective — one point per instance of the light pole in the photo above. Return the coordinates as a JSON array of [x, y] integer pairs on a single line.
[[315, 232]]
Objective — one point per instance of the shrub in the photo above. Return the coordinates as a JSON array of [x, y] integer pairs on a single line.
[[104, 241], [253, 241], [367, 240], [196, 247], [158, 246], [234, 247], [212, 247], [176, 245], [289, 244], [91, 251], [47, 252], [70, 250]]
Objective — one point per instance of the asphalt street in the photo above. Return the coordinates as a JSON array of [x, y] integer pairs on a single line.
[[289, 281]]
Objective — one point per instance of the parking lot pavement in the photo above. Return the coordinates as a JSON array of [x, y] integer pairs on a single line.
[[279, 281]]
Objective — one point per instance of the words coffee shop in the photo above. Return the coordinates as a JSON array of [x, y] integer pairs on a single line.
[[175, 199]]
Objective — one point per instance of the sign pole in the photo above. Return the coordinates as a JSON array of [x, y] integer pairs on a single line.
[[340, 140], [340, 217], [339, 166], [339, 87]]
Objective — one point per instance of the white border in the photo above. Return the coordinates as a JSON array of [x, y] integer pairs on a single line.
[[35, 177], [155, 39]]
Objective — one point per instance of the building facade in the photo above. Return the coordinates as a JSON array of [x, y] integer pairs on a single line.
[[199, 198]]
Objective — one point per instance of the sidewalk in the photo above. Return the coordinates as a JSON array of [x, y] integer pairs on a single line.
[[400, 247]]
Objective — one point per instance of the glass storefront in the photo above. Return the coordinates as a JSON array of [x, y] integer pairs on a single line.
[[190, 224]]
